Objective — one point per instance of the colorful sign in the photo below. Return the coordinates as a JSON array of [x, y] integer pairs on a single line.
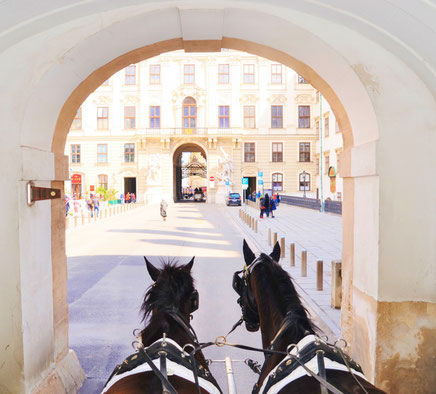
[[91, 188], [260, 174], [332, 172], [260, 181], [212, 178], [333, 184], [245, 183], [76, 179]]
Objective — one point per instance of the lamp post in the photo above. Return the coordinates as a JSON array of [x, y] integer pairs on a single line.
[[304, 184]]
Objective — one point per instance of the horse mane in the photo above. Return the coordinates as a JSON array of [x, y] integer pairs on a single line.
[[289, 303], [171, 290]]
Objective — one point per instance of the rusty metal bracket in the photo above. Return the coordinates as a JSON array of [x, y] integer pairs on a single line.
[[35, 193]]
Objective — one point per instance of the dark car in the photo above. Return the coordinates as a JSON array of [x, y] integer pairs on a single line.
[[233, 199]]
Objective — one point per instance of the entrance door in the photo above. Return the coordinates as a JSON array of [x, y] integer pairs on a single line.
[[251, 185], [130, 185]]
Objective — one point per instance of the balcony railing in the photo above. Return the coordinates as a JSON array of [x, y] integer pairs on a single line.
[[188, 131]]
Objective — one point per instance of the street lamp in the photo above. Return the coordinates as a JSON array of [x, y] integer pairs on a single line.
[[304, 184]]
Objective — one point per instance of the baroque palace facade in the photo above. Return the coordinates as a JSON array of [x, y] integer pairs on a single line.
[[247, 116]]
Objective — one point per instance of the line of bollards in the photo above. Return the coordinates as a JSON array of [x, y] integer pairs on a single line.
[[111, 210], [272, 238]]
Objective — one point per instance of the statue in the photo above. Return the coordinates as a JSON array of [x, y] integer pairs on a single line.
[[152, 169], [225, 168]]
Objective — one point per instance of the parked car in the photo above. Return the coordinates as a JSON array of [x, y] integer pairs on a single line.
[[233, 199]]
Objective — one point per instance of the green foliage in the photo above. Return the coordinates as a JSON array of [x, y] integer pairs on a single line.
[[107, 194]]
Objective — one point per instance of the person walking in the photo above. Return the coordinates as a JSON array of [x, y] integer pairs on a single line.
[[96, 204], [267, 205], [133, 197], [262, 207], [127, 198], [273, 206], [163, 209]]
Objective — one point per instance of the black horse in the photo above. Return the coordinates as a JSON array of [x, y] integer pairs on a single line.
[[165, 361], [268, 300]]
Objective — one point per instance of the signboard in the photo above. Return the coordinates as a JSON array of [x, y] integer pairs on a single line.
[[212, 178], [211, 182], [227, 183], [91, 188], [245, 183], [260, 174], [260, 181], [76, 179], [332, 172]]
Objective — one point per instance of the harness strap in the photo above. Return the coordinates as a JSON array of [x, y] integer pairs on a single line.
[[163, 369], [321, 369], [165, 382]]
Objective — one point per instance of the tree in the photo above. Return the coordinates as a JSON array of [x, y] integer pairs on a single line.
[[107, 194]]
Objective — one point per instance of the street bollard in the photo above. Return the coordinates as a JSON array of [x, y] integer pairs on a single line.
[[102, 214], [83, 219], [252, 223], [89, 217], [255, 225], [76, 219], [274, 240], [282, 248], [336, 296], [67, 223], [304, 263], [269, 237], [240, 213], [292, 254], [319, 275]]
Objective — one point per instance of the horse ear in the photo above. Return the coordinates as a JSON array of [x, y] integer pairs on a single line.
[[188, 266], [152, 270], [248, 254], [275, 254]]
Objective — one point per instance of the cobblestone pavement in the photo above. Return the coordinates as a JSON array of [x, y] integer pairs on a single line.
[[107, 278]]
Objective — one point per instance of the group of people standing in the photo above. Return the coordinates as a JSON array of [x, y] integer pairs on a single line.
[[268, 204], [128, 198], [79, 205]]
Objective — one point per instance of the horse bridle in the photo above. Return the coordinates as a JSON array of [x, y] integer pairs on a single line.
[[246, 298]]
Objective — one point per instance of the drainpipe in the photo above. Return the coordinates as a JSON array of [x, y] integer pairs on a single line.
[[321, 158]]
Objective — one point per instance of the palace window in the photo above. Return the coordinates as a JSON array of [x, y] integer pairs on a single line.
[[304, 181], [77, 122], [102, 153], [189, 74], [326, 126], [189, 113], [102, 181], [249, 152], [276, 73], [249, 116], [277, 152], [304, 151], [155, 117], [276, 116], [154, 74], [248, 73], [129, 117], [102, 118], [129, 153], [75, 153], [327, 164], [277, 182], [304, 116], [223, 73], [224, 117], [130, 75]]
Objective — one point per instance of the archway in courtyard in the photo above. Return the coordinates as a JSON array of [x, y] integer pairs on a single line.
[[380, 288], [189, 173]]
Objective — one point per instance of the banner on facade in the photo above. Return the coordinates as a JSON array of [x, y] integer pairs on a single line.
[[76, 179]]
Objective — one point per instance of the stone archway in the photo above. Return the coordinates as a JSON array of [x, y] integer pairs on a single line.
[[177, 170], [382, 290]]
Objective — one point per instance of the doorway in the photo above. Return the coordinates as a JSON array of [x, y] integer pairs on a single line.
[[251, 185], [130, 185]]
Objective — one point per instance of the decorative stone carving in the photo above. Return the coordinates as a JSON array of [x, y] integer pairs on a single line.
[[277, 99], [193, 91], [249, 99], [103, 100], [129, 100], [305, 99], [225, 168], [152, 169]]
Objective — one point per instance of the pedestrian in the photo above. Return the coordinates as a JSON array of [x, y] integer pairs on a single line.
[[127, 198], [67, 205], [262, 207], [163, 209], [96, 204], [277, 199], [267, 205], [273, 206], [133, 197], [90, 205], [122, 198]]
